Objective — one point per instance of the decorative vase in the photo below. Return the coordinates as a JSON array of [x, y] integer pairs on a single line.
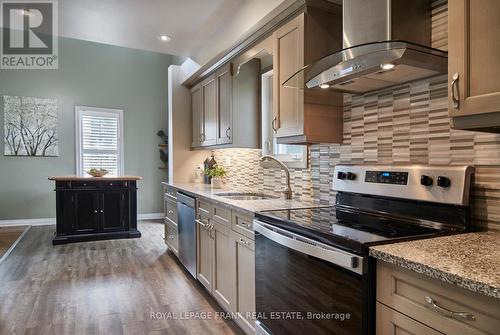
[[216, 182]]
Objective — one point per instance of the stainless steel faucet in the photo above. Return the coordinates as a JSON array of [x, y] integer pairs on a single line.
[[288, 191]]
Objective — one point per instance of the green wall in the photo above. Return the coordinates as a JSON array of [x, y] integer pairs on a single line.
[[96, 75]]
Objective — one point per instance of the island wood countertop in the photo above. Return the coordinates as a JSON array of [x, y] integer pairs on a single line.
[[77, 178]]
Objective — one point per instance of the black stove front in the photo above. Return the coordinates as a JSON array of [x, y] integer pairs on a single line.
[[313, 272]]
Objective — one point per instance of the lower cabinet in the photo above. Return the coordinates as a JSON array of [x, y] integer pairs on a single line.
[[412, 303], [205, 253], [224, 281], [244, 254], [390, 322], [225, 261], [171, 219]]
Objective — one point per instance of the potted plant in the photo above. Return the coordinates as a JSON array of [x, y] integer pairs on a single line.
[[217, 173]]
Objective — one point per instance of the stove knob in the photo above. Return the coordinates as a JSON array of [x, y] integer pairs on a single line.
[[443, 182], [341, 175], [426, 180], [351, 176]]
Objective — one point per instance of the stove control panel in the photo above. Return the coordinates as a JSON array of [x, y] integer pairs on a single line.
[[442, 184], [387, 177]]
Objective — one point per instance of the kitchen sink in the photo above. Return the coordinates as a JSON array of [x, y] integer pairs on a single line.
[[246, 196]]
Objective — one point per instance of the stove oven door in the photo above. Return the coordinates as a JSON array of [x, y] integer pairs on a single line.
[[305, 287]]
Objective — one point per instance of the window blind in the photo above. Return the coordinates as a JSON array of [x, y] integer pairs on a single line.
[[100, 142]]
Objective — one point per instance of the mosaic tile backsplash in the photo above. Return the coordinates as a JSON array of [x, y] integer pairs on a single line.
[[407, 124]]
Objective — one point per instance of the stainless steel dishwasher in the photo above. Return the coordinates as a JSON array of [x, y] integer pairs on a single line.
[[187, 231]]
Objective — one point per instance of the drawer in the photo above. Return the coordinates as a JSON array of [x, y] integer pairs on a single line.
[[222, 214], [114, 184], [171, 210], [84, 185], [243, 224], [171, 192], [390, 322], [204, 208], [171, 236], [410, 293]]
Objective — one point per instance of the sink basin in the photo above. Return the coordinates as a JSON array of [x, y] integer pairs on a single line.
[[245, 196]]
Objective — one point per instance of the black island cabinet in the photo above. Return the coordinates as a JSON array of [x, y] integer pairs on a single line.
[[90, 209]]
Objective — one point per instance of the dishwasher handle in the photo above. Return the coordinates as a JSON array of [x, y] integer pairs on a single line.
[[344, 259]]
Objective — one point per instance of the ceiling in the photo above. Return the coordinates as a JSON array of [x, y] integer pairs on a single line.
[[199, 28]]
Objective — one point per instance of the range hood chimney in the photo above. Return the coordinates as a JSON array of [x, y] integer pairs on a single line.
[[386, 43]]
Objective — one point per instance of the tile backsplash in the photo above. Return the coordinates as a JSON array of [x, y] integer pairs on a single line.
[[407, 124]]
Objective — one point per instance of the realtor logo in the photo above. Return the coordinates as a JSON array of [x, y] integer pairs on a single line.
[[29, 35]]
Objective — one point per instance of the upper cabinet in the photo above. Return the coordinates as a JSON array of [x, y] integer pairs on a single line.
[[226, 109], [306, 116], [474, 64]]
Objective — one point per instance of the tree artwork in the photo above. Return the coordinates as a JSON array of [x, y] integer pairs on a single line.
[[30, 126]]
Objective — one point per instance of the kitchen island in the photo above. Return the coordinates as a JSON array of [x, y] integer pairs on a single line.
[[89, 209]]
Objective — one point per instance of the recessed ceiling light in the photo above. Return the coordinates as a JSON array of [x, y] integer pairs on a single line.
[[324, 86], [387, 66], [165, 38]]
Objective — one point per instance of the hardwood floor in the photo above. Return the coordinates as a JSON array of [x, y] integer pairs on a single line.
[[105, 287], [8, 236]]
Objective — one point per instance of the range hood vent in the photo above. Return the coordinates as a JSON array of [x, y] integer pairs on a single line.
[[386, 43]]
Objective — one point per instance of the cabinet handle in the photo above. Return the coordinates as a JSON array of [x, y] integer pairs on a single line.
[[455, 91], [227, 132], [203, 225], [102, 210], [447, 313], [274, 124], [170, 212], [95, 211]]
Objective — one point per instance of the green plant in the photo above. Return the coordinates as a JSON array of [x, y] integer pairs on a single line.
[[216, 172]]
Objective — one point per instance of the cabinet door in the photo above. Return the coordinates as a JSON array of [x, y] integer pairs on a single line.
[[473, 55], [288, 58], [205, 250], [113, 209], [224, 105], [209, 89], [85, 212], [391, 322], [197, 112], [224, 288], [244, 249]]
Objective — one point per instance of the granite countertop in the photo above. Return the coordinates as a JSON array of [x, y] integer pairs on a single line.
[[250, 206], [79, 178], [471, 261]]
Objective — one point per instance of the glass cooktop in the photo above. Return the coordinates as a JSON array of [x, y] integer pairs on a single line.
[[353, 231]]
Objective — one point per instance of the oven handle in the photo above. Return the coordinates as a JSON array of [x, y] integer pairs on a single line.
[[311, 247]]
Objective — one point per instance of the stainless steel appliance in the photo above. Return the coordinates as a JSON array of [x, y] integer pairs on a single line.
[[313, 272], [386, 42], [187, 231]]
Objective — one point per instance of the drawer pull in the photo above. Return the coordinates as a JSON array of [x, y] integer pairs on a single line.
[[447, 313]]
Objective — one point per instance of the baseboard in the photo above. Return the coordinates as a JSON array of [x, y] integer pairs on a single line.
[[52, 221], [28, 222], [150, 216]]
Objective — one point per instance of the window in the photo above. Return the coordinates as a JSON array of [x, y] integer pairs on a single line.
[[294, 156], [99, 140]]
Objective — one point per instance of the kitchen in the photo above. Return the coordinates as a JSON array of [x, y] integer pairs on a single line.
[[327, 171]]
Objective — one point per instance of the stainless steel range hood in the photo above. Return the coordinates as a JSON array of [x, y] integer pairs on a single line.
[[386, 43]]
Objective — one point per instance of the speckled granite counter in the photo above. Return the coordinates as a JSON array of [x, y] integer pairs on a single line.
[[471, 261], [251, 206]]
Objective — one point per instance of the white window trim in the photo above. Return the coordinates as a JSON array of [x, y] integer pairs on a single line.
[[97, 112]]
